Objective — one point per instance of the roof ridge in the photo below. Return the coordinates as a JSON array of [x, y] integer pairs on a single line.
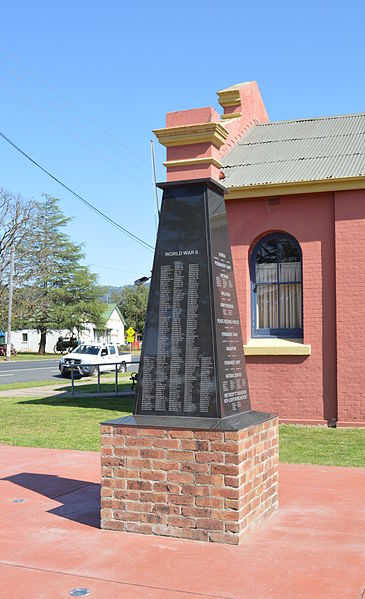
[[314, 118]]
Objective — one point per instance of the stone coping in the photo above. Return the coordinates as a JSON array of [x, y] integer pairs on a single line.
[[231, 423]]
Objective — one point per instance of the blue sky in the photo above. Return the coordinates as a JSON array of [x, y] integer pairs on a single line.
[[124, 65]]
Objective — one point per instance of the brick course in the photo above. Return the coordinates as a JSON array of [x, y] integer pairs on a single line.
[[216, 488]]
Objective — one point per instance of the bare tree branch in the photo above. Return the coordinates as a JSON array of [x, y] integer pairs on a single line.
[[15, 219]]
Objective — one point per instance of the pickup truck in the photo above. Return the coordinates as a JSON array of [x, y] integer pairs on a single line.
[[86, 357]]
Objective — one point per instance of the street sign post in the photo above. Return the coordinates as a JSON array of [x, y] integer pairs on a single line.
[[130, 334]]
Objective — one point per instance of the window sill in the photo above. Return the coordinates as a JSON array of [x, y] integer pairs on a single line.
[[277, 347]]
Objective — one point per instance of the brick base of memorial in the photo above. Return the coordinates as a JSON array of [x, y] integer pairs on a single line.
[[193, 484]]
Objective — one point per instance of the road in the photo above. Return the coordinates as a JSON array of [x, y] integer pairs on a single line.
[[37, 370], [30, 370]]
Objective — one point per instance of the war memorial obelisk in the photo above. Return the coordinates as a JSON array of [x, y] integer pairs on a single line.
[[194, 460], [192, 362]]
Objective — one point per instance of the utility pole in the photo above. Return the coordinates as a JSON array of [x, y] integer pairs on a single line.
[[154, 183], [11, 277]]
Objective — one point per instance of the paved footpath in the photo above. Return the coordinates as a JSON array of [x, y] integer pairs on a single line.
[[50, 543], [51, 390], [45, 391]]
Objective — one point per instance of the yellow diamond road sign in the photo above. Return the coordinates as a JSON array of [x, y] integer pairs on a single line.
[[130, 332]]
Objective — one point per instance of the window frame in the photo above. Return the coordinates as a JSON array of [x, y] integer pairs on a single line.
[[273, 332]]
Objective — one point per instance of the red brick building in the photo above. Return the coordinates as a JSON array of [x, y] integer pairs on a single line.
[[296, 215]]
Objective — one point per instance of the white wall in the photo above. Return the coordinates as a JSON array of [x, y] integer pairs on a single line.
[[32, 343], [114, 324]]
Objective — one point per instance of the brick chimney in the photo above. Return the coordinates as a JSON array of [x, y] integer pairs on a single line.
[[197, 139]]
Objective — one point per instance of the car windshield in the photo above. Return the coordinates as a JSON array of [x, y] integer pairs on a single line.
[[87, 349]]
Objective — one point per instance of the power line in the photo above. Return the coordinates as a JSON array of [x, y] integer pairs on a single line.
[[71, 117], [67, 132], [72, 105], [132, 272], [88, 204]]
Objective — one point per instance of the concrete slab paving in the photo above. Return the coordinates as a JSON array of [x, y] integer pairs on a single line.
[[51, 543]]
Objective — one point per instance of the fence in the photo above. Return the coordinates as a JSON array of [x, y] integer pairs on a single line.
[[76, 367]]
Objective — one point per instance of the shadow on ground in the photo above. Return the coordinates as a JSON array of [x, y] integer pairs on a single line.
[[107, 387], [80, 499], [121, 404]]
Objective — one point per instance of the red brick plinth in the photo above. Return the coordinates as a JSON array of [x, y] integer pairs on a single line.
[[192, 484]]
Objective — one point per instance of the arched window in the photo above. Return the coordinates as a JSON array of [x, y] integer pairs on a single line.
[[276, 282]]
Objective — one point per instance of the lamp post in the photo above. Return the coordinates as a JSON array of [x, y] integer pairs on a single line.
[[141, 281]]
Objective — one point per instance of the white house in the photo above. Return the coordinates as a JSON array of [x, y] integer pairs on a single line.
[[27, 340]]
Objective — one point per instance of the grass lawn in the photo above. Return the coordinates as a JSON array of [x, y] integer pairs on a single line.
[[31, 356], [59, 422], [73, 423], [317, 445]]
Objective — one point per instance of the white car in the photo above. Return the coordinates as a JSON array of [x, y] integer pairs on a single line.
[[86, 358]]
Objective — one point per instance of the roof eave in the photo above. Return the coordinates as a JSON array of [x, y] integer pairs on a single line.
[[294, 188]]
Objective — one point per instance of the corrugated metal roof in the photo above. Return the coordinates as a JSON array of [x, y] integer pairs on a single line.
[[293, 151]]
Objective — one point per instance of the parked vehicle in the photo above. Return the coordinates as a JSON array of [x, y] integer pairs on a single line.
[[65, 344], [87, 356]]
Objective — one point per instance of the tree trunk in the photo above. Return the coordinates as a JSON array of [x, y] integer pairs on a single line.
[[42, 343]]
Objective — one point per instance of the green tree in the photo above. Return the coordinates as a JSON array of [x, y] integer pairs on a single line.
[[58, 292], [133, 304]]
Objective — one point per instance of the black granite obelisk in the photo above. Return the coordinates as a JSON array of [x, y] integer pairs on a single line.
[[192, 363]]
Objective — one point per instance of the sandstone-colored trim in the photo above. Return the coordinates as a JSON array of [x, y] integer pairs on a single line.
[[214, 133], [299, 187], [277, 347], [232, 115], [229, 97], [193, 161]]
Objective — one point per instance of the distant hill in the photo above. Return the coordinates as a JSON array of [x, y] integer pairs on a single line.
[[110, 293]]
